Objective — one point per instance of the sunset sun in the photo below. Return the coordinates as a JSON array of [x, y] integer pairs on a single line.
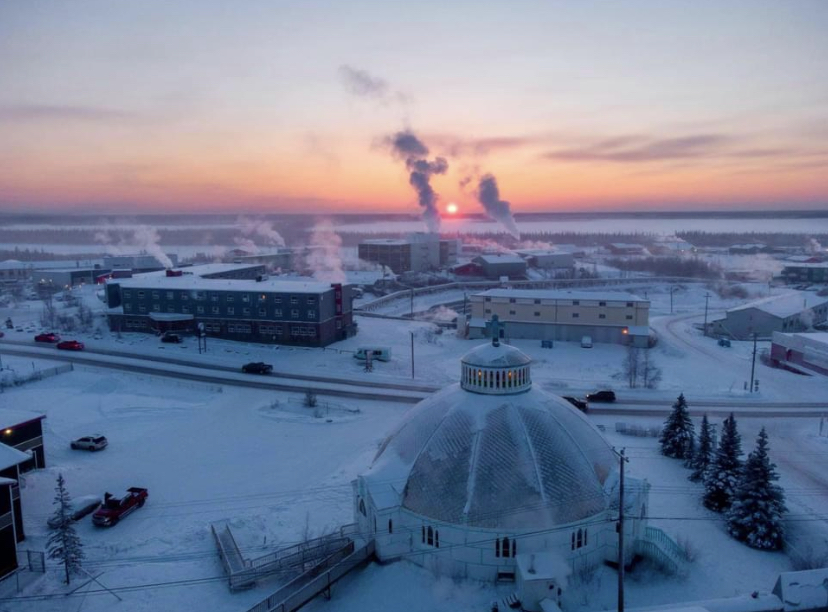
[[451, 208]]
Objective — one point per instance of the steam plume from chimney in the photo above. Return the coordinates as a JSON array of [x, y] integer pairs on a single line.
[[323, 258], [500, 210], [407, 147]]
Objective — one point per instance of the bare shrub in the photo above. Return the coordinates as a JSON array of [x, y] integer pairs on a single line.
[[688, 548]]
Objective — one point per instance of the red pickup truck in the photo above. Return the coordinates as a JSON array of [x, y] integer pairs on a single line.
[[116, 508]]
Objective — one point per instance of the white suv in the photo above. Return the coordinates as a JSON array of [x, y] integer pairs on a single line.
[[91, 443]]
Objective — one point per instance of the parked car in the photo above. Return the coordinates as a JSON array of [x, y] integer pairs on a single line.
[[70, 345], [586, 342], [257, 367], [171, 338], [116, 508], [50, 337], [724, 342], [90, 443], [79, 507], [601, 396], [380, 353], [2, 334], [578, 403]]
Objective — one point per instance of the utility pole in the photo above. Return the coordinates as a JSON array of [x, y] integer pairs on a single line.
[[753, 363], [412, 355], [706, 298], [412, 304], [620, 526]]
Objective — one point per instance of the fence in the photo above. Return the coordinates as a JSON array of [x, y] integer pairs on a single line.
[[10, 377], [35, 560], [662, 549]]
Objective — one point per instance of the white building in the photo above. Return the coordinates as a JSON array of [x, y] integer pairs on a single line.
[[492, 475]]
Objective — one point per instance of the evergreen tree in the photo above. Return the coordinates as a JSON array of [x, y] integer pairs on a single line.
[[677, 434], [690, 451], [64, 543], [755, 517], [723, 475], [702, 452]]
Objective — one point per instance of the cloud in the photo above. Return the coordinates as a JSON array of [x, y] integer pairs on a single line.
[[363, 84], [47, 112], [645, 149]]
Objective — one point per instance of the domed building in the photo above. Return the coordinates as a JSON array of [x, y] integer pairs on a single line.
[[491, 470]]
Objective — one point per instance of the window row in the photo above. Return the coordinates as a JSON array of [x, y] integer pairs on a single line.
[[495, 379], [503, 549], [229, 310], [431, 537], [215, 297], [560, 303], [579, 538]]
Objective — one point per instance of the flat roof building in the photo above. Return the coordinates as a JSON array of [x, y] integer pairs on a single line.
[[806, 353], [501, 265], [548, 259], [792, 312], [214, 297], [419, 252], [605, 316], [805, 273]]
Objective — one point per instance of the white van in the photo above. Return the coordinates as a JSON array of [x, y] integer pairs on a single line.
[[586, 342], [380, 353]]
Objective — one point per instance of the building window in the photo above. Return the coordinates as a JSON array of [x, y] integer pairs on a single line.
[[127, 307], [488, 311], [422, 534], [140, 295], [127, 293], [231, 310], [602, 316], [311, 314], [277, 300], [215, 310], [231, 298], [294, 299], [245, 298], [311, 300], [629, 304], [512, 300], [170, 295], [338, 324], [200, 309], [155, 295], [430, 536], [262, 297], [390, 526], [246, 312], [576, 302], [142, 308], [579, 539], [156, 307], [575, 315], [200, 295], [277, 312], [184, 296], [262, 312], [362, 507], [511, 312], [294, 313], [185, 309], [170, 308], [488, 299], [537, 314], [602, 303], [505, 550], [629, 317], [537, 301]]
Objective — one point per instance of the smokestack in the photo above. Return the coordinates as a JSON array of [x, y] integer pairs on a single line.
[[489, 196], [407, 147]]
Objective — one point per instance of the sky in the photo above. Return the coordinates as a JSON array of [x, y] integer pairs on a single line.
[[282, 106]]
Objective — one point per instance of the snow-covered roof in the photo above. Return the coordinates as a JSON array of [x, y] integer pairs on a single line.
[[786, 305], [388, 241], [500, 258], [7, 481], [555, 294], [11, 418], [193, 282], [13, 264], [806, 265], [490, 356], [494, 461], [803, 590], [202, 270], [11, 456]]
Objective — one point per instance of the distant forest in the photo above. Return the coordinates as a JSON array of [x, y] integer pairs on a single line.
[[724, 239]]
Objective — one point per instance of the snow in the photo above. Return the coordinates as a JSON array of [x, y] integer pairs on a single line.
[[785, 305], [554, 294], [198, 283], [11, 456]]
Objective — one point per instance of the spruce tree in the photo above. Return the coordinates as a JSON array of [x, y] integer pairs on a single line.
[[721, 479], [677, 434], [703, 452], [690, 451], [758, 504], [64, 543]]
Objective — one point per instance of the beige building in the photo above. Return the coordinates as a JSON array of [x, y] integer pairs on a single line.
[[605, 316]]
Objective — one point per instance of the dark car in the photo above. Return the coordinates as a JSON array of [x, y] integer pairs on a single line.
[[257, 367], [601, 396], [79, 507], [51, 338], [70, 345], [171, 338], [91, 443], [578, 403]]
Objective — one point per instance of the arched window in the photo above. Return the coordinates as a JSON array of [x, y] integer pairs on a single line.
[[362, 507], [585, 536], [423, 533], [573, 540], [504, 550], [497, 547], [579, 539], [430, 536], [514, 547], [390, 526], [643, 511], [436, 538], [375, 524]]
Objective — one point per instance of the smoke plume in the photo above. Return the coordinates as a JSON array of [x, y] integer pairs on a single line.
[[500, 210], [257, 228], [323, 258], [407, 147], [142, 238]]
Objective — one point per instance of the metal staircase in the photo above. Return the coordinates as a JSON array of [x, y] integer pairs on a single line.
[[662, 550]]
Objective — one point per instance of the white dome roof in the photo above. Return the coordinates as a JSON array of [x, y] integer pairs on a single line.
[[495, 356], [509, 462]]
